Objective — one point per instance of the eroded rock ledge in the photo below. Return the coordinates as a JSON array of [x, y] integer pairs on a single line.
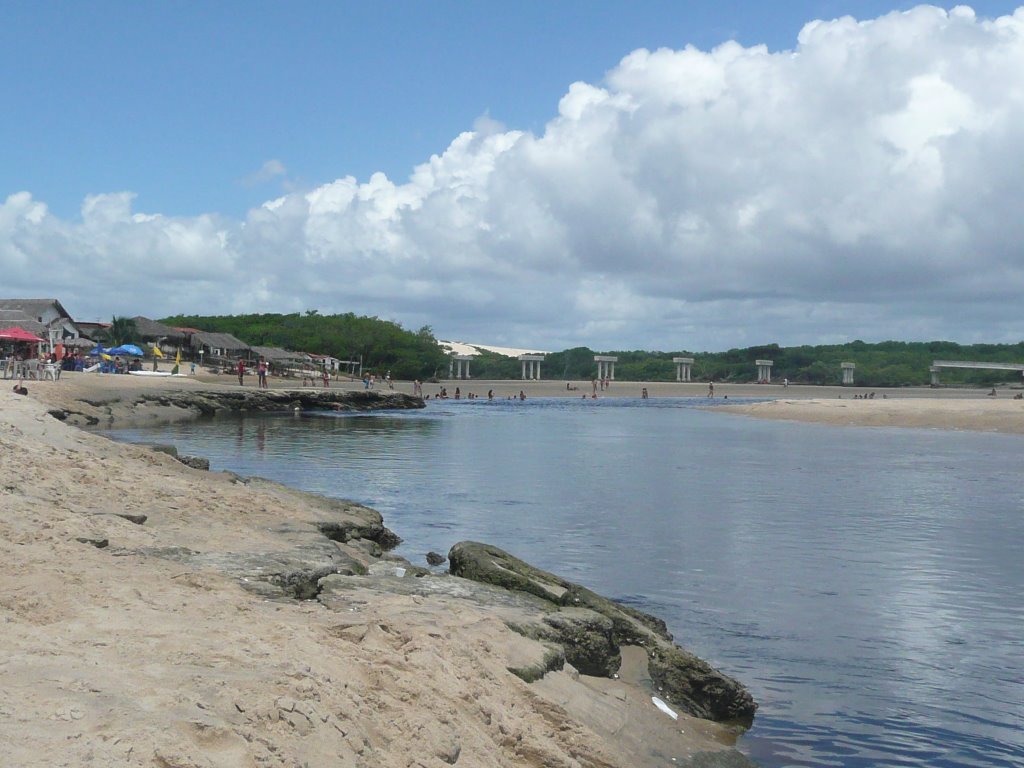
[[591, 628], [174, 405]]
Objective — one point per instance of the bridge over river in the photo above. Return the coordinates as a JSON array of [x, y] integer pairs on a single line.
[[938, 365]]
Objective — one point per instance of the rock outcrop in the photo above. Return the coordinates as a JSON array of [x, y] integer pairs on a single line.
[[165, 405], [591, 628]]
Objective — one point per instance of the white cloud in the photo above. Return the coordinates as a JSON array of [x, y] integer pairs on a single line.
[[864, 184], [269, 171]]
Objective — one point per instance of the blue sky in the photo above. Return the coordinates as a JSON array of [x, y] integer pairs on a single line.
[[183, 103], [203, 112]]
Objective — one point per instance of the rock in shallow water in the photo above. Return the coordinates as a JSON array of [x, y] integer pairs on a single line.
[[595, 627]]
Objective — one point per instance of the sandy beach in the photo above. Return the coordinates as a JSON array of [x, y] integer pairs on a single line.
[[143, 625], [915, 407], [133, 636]]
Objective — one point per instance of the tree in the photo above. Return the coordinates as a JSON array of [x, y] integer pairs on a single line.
[[122, 330]]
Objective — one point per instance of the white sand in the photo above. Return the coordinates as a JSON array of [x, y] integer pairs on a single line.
[[977, 414]]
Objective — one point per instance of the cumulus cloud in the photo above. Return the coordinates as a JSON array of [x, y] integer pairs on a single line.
[[862, 185]]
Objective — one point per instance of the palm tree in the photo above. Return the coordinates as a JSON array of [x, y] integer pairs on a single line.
[[122, 330]]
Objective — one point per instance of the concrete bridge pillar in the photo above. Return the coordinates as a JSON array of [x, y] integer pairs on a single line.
[[606, 366], [683, 365], [848, 369], [531, 366], [459, 367]]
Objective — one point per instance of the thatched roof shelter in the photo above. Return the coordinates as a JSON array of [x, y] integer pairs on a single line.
[[151, 330], [276, 354], [219, 344]]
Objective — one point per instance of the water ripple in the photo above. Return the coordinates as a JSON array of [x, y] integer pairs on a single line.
[[866, 584]]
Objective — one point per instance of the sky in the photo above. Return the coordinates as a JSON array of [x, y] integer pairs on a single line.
[[647, 175]]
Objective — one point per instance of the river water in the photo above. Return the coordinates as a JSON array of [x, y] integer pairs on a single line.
[[865, 584]]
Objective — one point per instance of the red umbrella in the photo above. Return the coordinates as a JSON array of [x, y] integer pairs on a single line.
[[18, 334]]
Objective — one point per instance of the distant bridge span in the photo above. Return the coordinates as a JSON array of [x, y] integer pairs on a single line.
[[938, 365]]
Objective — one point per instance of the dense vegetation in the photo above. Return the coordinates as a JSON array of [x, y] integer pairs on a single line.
[[384, 345], [380, 345], [888, 364]]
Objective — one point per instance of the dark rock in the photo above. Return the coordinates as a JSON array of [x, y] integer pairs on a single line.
[[372, 548], [588, 640], [137, 519], [98, 543], [196, 462], [683, 679], [451, 754], [350, 530], [553, 661], [214, 402], [706, 692], [433, 558]]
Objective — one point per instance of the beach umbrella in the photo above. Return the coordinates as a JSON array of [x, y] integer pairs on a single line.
[[18, 334], [125, 349]]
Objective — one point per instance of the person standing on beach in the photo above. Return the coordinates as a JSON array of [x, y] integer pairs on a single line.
[[261, 372], [241, 371], [711, 389]]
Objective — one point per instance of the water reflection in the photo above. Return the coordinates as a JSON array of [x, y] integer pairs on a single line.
[[864, 583]]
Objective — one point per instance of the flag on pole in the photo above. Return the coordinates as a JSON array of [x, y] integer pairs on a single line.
[[177, 361]]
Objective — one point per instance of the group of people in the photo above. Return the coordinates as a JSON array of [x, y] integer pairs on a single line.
[[261, 373], [442, 394], [27, 364]]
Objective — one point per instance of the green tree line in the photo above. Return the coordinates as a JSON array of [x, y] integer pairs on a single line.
[[380, 345], [886, 364], [384, 345]]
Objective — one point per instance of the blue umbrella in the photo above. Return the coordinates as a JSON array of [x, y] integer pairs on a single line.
[[125, 349]]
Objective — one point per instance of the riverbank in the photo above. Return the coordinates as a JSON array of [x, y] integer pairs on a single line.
[[978, 414], [92, 399], [155, 614]]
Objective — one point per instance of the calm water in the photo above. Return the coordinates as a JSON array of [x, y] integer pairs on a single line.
[[865, 584]]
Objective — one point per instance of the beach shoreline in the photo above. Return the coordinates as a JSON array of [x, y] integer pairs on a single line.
[[156, 614]]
